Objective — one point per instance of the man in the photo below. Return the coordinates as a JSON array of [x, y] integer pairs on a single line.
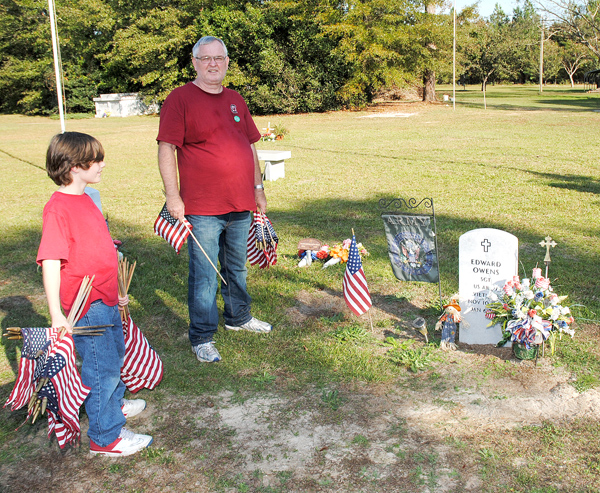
[[207, 134]]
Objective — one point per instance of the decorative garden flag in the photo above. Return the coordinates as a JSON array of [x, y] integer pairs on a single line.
[[171, 229], [411, 247], [356, 292]]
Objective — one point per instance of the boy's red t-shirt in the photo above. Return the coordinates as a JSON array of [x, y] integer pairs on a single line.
[[213, 134], [76, 233]]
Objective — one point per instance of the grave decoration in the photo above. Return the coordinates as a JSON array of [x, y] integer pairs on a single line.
[[530, 313], [315, 250], [411, 233], [448, 323]]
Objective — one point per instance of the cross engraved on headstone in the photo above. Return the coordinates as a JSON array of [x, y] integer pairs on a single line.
[[486, 245]]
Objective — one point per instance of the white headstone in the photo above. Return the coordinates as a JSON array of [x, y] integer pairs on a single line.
[[487, 258], [95, 196]]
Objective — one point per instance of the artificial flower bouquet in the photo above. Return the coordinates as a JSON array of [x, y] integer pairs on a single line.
[[332, 255], [530, 311]]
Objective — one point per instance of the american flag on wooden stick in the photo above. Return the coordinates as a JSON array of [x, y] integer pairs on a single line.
[[64, 392], [142, 367], [171, 229], [356, 292]]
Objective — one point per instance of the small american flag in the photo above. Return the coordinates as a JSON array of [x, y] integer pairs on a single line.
[[142, 367], [356, 292], [171, 229], [65, 390], [36, 341]]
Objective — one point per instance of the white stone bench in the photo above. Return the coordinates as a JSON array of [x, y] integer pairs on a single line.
[[122, 104], [274, 163]]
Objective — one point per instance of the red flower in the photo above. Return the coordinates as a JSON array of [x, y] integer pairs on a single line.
[[532, 313]]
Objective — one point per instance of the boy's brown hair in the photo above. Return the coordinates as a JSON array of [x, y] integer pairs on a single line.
[[71, 150]]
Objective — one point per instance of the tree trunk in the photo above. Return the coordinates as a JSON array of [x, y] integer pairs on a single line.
[[429, 85]]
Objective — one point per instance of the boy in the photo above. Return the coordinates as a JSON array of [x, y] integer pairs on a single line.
[[75, 243]]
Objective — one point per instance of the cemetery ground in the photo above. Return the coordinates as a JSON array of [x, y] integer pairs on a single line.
[[324, 403]]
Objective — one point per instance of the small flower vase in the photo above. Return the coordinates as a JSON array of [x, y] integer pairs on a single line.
[[521, 352]]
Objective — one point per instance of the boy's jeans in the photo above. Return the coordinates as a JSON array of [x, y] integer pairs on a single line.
[[101, 371], [224, 236]]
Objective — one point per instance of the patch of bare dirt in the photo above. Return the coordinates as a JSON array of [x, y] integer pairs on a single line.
[[386, 437]]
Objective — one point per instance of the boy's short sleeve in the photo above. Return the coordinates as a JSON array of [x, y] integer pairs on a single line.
[[54, 244]]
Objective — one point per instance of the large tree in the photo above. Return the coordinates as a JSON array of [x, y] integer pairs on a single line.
[[579, 18]]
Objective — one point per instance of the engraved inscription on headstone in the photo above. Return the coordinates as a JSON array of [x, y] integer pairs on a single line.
[[487, 258]]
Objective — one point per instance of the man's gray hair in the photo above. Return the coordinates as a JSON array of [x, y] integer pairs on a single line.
[[205, 41]]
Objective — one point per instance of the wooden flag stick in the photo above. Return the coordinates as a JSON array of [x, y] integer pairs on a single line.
[[200, 246]]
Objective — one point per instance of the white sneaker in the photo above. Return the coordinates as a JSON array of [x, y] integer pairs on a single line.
[[128, 443], [252, 325], [133, 407], [207, 352]]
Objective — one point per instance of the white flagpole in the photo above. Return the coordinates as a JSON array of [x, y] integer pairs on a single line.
[[57, 68], [454, 61]]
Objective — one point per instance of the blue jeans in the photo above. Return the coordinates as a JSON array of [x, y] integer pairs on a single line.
[[101, 371], [223, 237]]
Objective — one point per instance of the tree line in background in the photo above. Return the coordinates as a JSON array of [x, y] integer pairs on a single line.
[[287, 56]]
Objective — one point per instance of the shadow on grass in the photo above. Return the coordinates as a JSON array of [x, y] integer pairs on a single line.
[[159, 291], [579, 183], [526, 100]]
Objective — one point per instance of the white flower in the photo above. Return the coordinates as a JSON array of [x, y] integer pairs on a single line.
[[492, 296], [528, 295], [525, 283], [565, 310]]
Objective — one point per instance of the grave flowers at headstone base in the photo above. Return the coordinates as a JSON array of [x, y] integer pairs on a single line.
[[530, 313]]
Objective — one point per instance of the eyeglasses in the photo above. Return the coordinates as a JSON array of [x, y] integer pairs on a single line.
[[207, 59]]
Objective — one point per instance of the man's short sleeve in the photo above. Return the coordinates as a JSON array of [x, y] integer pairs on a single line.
[[171, 128]]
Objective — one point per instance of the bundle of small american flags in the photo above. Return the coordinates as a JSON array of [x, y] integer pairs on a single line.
[[262, 242], [48, 379], [142, 366]]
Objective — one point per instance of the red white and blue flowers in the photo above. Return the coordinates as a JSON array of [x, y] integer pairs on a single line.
[[529, 310]]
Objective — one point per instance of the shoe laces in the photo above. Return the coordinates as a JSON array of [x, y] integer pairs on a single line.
[[126, 434]]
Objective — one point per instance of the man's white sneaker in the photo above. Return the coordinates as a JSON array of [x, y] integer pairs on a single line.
[[128, 443], [252, 325], [207, 352], [132, 407]]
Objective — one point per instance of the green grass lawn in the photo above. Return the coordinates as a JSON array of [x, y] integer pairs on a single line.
[[529, 165]]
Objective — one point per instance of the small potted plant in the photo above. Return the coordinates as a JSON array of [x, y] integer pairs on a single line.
[[280, 131]]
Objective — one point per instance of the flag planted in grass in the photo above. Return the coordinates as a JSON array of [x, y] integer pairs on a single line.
[[356, 292], [262, 242], [171, 229]]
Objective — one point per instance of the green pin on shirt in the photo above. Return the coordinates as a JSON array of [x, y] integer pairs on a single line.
[[236, 118]]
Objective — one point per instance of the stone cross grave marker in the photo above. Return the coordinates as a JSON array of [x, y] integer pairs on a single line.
[[487, 258]]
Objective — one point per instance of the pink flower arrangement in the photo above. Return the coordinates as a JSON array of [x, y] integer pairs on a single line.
[[529, 310]]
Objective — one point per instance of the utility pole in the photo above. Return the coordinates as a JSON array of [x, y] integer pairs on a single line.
[[542, 56]]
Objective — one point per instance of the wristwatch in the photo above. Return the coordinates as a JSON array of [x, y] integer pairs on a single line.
[[259, 187]]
